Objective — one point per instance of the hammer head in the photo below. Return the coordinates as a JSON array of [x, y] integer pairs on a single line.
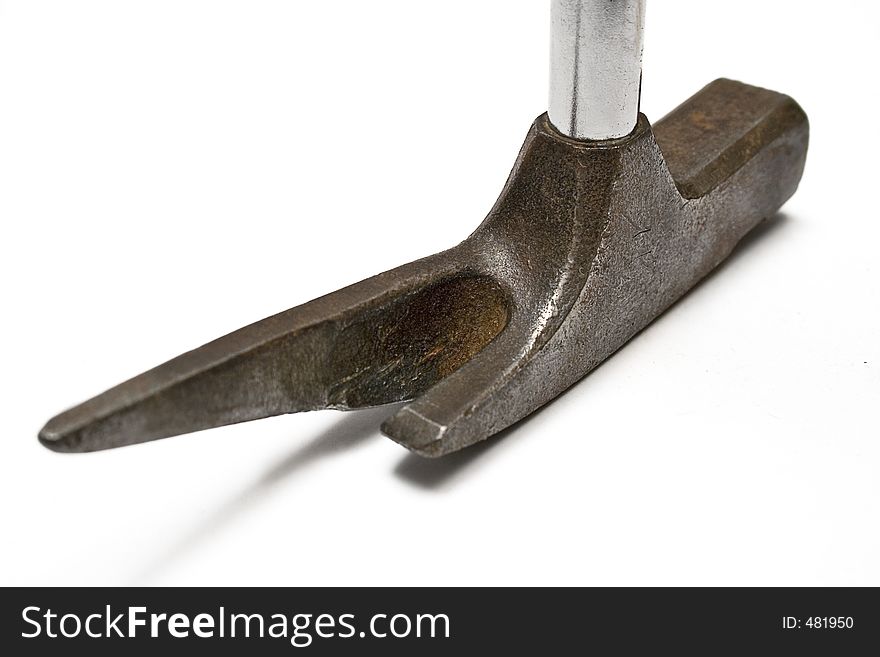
[[587, 244]]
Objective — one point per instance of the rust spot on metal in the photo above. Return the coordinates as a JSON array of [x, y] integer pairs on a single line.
[[403, 348]]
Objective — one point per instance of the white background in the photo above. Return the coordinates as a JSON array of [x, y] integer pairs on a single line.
[[173, 169]]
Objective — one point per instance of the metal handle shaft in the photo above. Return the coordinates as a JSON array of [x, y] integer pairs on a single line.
[[596, 67]]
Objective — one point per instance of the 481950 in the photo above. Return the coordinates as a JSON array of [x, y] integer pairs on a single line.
[[818, 623]]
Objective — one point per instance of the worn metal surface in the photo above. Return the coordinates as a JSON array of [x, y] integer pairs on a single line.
[[587, 244]]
